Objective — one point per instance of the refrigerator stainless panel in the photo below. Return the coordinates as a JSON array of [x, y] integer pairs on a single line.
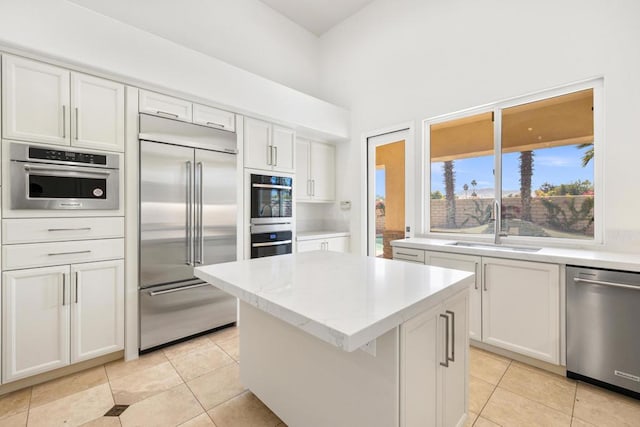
[[160, 129], [172, 312], [216, 217], [164, 213]]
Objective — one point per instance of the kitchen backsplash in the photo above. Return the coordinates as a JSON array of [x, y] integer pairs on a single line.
[[321, 217]]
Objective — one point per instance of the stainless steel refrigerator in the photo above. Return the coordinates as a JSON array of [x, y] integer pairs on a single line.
[[188, 217]]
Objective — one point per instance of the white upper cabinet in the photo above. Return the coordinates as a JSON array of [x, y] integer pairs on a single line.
[[316, 171], [303, 172], [521, 307], [165, 106], [268, 147], [97, 116], [212, 117], [35, 101], [97, 313], [43, 103], [322, 163], [283, 141]]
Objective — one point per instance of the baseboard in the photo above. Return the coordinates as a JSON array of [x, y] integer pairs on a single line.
[[550, 367]]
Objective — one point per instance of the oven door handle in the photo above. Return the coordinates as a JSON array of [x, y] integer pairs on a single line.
[[266, 244], [272, 186], [68, 170]]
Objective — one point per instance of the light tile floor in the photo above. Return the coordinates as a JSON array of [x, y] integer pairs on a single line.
[[196, 383]]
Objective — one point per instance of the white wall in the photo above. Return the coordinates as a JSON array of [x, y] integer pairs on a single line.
[[65, 31], [400, 60], [246, 33]]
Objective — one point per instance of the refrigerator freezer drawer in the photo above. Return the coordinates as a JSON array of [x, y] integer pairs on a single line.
[[172, 312]]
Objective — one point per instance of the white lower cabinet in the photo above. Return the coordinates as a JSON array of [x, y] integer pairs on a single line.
[[433, 346], [97, 309], [465, 263], [334, 244], [55, 316], [521, 307], [513, 304], [35, 321]]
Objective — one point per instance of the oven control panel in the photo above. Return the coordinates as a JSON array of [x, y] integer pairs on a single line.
[[67, 156]]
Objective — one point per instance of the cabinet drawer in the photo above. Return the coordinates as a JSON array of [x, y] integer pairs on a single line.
[[165, 106], [212, 117], [32, 230], [58, 253], [415, 255]]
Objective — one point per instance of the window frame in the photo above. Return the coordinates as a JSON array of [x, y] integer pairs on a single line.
[[597, 84]]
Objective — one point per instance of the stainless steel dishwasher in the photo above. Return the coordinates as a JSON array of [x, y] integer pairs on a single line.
[[603, 328]]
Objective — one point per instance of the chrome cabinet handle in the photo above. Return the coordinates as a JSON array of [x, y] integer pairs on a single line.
[[64, 287], [484, 277], [69, 253], [453, 335], [189, 216], [69, 229], [475, 270], [183, 288], [216, 124], [446, 345], [605, 283], [167, 113], [406, 254], [64, 119], [199, 225], [313, 187], [275, 150], [76, 287], [76, 123], [269, 154]]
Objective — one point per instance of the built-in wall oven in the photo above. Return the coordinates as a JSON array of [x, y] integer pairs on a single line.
[[271, 215], [46, 178]]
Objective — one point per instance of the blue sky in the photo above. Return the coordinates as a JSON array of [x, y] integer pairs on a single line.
[[558, 165], [380, 189]]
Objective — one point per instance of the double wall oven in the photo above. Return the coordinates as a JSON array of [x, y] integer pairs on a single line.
[[271, 215]]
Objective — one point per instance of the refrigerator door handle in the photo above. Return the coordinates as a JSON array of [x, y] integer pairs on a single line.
[[199, 224], [189, 215]]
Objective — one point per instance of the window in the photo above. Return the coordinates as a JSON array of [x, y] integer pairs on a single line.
[[534, 155]]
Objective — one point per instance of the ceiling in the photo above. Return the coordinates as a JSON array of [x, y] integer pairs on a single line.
[[317, 16]]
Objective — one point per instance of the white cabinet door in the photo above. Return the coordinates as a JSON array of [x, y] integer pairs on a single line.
[[35, 101], [421, 355], [212, 117], [323, 171], [35, 321], [257, 144], [165, 106], [521, 307], [97, 115], [284, 142], [454, 388], [464, 263], [310, 245], [303, 177], [337, 244], [97, 314]]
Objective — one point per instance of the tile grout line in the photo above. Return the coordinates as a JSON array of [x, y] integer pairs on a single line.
[[29, 405], [492, 392]]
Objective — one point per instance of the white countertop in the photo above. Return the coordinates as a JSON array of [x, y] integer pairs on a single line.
[[323, 234], [580, 257], [346, 300]]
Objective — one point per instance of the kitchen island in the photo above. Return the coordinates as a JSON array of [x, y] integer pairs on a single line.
[[332, 339]]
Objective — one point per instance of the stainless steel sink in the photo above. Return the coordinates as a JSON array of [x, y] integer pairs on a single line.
[[494, 247]]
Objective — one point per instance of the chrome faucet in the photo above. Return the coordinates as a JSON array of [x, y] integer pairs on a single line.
[[497, 222]]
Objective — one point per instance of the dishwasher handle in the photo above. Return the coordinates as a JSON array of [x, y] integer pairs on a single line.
[[605, 283]]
